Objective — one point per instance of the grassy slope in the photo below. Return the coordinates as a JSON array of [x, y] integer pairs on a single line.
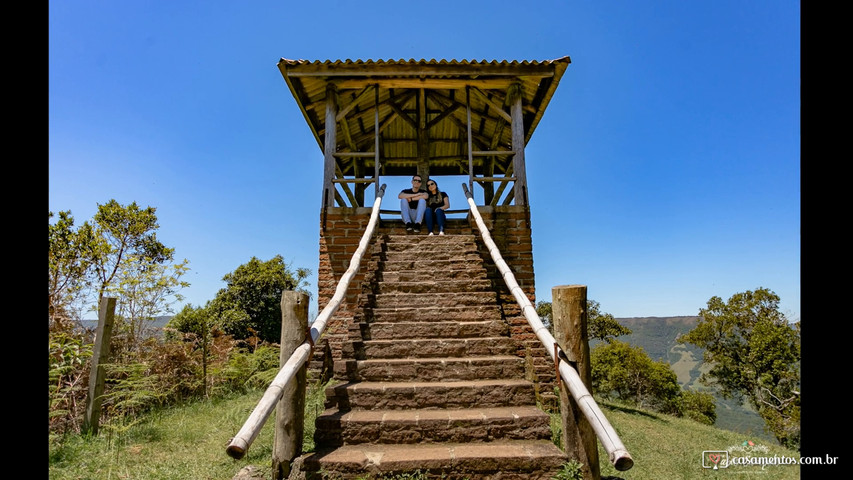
[[189, 442]]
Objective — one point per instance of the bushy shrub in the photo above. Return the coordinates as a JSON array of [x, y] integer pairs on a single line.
[[620, 371], [700, 406]]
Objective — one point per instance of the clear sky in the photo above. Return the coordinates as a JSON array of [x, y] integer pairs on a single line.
[[665, 171]]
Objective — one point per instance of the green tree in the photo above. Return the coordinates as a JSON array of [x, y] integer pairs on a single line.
[[543, 309], [146, 290], [69, 267], [754, 354], [624, 372], [251, 300], [125, 234], [600, 326]]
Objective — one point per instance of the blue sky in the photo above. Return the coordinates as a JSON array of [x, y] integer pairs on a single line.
[[665, 171]]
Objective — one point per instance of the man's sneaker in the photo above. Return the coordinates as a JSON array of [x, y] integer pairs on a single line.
[[417, 228], [431, 234], [409, 226], [441, 232]]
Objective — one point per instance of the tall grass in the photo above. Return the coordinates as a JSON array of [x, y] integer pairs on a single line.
[[182, 442]]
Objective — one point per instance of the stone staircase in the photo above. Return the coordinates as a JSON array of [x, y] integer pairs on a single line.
[[430, 379]]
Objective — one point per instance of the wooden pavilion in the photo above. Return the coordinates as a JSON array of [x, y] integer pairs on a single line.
[[430, 117], [434, 118]]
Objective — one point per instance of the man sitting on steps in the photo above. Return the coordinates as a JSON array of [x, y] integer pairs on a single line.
[[413, 205]]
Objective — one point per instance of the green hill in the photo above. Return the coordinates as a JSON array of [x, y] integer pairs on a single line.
[[658, 336]]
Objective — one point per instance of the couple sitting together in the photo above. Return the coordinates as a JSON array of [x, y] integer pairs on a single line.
[[417, 204]]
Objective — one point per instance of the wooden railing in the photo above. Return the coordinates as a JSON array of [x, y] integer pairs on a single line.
[[251, 428], [618, 454]]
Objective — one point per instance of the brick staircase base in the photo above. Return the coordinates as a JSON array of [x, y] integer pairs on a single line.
[[430, 380]]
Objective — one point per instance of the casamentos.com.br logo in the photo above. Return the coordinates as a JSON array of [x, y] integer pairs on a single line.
[[750, 455]]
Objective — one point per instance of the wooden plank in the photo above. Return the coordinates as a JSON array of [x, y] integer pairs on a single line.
[[498, 108], [520, 187], [345, 187], [423, 138], [470, 145], [488, 153], [376, 137], [399, 111], [494, 179], [355, 101], [354, 154], [354, 180], [330, 142]]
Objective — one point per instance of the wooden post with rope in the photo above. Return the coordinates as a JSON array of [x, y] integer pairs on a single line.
[[569, 314], [290, 411]]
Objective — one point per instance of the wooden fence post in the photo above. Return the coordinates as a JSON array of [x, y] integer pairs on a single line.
[[290, 411], [100, 355], [569, 314]]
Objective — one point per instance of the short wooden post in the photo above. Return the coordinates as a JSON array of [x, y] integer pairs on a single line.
[[569, 314], [290, 411], [100, 355]]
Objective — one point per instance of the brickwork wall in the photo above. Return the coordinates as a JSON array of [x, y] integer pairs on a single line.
[[510, 229], [340, 231]]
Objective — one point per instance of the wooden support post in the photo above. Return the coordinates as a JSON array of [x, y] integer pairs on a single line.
[[423, 137], [290, 411], [470, 147], [519, 170], [330, 146], [376, 132], [100, 355], [569, 314]]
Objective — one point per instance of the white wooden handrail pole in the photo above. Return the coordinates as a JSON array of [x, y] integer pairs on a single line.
[[616, 451], [241, 442]]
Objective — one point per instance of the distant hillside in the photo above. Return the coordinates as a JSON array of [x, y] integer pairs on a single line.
[[156, 327], [658, 337]]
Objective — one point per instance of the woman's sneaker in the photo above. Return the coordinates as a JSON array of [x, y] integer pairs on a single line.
[[440, 233]]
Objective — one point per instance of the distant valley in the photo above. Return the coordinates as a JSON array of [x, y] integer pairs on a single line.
[[658, 337]]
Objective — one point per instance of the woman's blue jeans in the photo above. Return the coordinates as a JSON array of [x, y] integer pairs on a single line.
[[436, 216]]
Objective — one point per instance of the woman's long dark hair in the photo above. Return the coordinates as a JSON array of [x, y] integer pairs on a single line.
[[437, 194]]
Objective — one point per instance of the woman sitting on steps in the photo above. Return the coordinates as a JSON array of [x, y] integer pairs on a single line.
[[437, 202]]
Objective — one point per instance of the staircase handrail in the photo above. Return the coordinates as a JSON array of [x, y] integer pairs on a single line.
[[618, 454], [238, 445]]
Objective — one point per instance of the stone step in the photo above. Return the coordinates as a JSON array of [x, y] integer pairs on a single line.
[[426, 259], [388, 300], [429, 347], [430, 313], [505, 460], [436, 329], [420, 242], [526, 422], [429, 285], [450, 270], [430, 395], [437, 369]]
